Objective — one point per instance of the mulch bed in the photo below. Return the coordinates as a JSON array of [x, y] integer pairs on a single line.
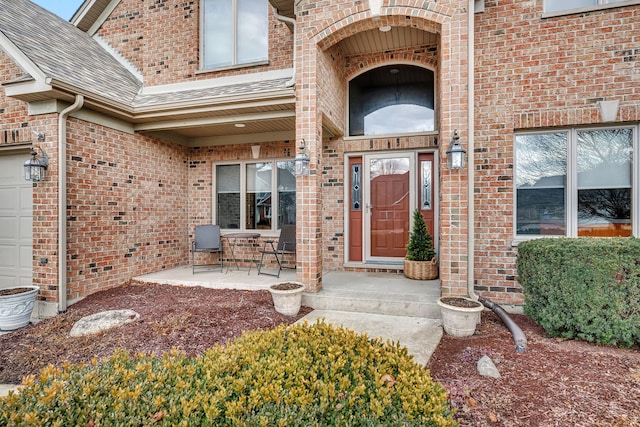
[[553, 383]]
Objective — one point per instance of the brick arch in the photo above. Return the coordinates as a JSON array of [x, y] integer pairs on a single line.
[[410, 13], [408, 58]]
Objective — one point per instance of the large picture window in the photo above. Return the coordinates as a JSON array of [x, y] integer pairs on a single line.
[[575, 183], [235, 32], [255, 195], [551, 6]]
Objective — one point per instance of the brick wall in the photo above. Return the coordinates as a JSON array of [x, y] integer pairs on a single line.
[[127, 208], [162, 40], [537, 73]]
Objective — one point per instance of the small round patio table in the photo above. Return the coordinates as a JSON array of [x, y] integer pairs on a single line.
[[233, 239]]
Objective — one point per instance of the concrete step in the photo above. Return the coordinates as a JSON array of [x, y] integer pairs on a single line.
[[376, 293]]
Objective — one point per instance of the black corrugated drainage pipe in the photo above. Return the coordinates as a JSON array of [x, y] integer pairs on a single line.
[[518, 336]]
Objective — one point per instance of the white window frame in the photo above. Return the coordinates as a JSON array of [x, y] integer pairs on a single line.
[[571, 186], [234, 50], [275, 200], [601, 4]]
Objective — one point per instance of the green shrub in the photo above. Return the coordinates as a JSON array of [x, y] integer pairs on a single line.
[[585, 288], [420, 246], [301, 375]]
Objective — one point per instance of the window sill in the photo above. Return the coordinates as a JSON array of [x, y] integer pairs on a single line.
[[588, 9], [232, 67], [395, 135]]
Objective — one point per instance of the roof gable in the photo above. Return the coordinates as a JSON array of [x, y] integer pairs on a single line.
[[63, 53]]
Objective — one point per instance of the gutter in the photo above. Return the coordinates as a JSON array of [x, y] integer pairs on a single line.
[[470, 161], [291, 21], [62, 201]]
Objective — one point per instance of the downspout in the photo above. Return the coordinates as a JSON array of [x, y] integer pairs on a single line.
[[62, 201], [291, 21], [470, 163], [518, 336]]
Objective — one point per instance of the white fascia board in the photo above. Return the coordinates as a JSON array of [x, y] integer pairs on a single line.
[[240, 118], [21, 59], [218, 81], [23, 88], [103, 17]]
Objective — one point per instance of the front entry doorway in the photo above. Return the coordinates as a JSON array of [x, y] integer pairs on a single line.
[[385, 188]]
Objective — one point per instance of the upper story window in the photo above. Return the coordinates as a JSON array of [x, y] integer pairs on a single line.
[[393, 99], [576, 182], [551, 6], [234, 32]]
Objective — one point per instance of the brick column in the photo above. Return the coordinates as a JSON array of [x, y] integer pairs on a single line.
[[308, 188], [454, 183]]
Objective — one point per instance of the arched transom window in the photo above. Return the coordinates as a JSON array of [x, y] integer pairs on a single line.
[[394, 99]]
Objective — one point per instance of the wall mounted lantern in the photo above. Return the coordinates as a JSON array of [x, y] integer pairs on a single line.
[[455, 153], [302, 160], [35, 167]]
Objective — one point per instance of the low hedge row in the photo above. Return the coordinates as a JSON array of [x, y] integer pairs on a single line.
[[302, 375], [585, 288]]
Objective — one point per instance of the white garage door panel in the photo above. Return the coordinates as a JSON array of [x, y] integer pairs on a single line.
[[16, 222], [26, 200], [8, 229], [8, 258], [26, 230], [9, 197]]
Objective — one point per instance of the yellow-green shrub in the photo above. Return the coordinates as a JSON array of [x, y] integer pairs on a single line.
[[301, 375]]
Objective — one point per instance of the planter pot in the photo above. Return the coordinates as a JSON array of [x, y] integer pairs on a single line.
[[421, 270], [16, 306], [460, 315], [287, 297]]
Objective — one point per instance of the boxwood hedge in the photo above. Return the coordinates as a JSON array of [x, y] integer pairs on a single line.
[[585, 288], [301, 375]]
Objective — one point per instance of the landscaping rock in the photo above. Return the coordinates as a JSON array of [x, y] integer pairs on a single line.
[[102, 321], [487, 368]]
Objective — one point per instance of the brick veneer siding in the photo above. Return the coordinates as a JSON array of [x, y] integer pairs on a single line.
[[321, 28], [162, 40], [537, 73], [127, 207], [200, 187]]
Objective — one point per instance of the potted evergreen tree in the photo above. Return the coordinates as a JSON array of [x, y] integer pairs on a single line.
[[420, 262]]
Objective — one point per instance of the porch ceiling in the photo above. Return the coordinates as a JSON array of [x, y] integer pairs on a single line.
[[378, 41]]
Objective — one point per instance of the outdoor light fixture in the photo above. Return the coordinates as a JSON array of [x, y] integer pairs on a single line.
[[455, 153], [302, 160], [255, 151], [35, 167]]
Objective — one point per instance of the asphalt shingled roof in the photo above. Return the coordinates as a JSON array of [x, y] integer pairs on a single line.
[[65, 53], [70, 56]]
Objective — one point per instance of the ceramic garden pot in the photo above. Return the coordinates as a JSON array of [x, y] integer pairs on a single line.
[[287, 297], [16, 306], [460, 315]]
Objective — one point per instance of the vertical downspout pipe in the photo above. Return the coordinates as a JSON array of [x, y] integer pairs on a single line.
[[292, 21], [62, 201], [470, 162]]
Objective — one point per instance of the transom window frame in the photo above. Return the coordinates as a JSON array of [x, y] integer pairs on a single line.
[[436, 102], [571, 184], [275, 201], [601, 4], [234, 51]]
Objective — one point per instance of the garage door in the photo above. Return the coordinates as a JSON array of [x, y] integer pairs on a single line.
[[16, 243]]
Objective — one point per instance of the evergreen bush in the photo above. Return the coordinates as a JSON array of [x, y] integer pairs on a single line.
[[301, 375], [584, 288], [420, 246]]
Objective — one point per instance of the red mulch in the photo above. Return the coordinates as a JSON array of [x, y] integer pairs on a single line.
[[554, 383]]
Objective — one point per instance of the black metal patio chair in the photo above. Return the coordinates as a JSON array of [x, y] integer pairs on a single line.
[[286, 246], [206, 240]]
